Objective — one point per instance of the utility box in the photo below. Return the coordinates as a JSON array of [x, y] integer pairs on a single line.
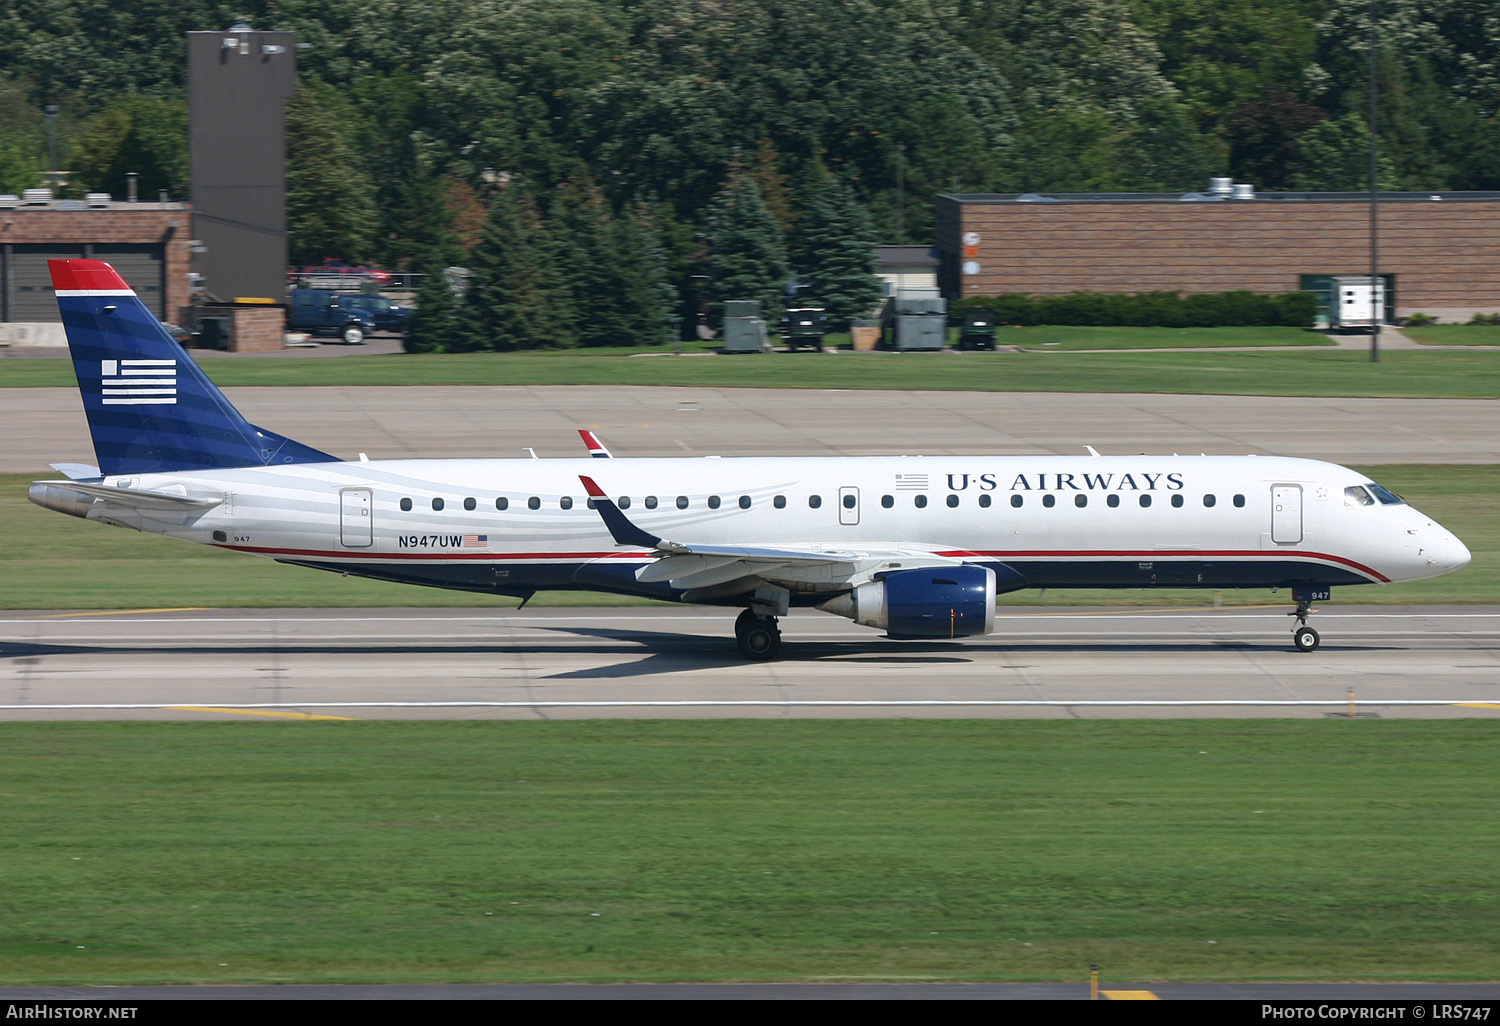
[[744, 330], [919, 319]]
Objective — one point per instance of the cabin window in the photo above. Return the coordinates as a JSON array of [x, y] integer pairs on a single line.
[[814, 501], [1145, 501], [713, 502], [1112, 502], [682, 502], [920, 501], [470, 503], [984, 502], [566, 502], [1080, 500], [406, 505], [502, 503], [1239, 502], [650, 502], [1176, 502], [887, 501], [623, 502], [533, 503], [848, 501], [1017, 501], [1209, 500], [1049, 501], [779, 502], [437, 504], [744, 502]]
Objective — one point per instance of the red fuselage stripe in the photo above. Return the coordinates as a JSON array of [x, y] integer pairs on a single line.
[[1110, 554]]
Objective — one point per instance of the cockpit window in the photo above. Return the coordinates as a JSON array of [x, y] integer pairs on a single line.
[[1355, 495], [1385, 495]]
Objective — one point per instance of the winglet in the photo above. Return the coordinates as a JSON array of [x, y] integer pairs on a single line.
[[595, 447], [620, 527]]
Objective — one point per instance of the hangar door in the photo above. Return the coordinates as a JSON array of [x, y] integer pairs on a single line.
[[28, 282]]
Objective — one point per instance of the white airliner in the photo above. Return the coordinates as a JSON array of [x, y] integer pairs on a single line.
[[916, 546]]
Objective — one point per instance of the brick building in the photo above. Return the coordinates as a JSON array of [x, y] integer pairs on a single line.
[[1440, 252], [146, 242]]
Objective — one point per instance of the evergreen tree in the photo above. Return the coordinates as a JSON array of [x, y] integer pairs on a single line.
[[436, 325], [514, 299], [747, 255], [835, 251]]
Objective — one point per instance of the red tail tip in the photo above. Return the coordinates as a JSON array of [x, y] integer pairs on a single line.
[[588, 485], [85, 275]]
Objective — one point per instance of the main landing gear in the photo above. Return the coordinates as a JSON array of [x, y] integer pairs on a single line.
[[1304, 637], [757, 635]]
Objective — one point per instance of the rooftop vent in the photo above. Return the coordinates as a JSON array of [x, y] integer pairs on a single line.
[[96, 200], [1243, 191], [37, 197], [1033, 197], [1220, 186]]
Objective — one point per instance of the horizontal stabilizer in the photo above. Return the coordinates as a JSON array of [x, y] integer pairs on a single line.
[[77, 471], [132, 498]]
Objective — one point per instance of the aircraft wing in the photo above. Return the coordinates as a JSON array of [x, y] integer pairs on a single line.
[[133, 498], [688, 566]]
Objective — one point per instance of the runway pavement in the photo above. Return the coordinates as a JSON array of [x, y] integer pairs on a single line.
[[653, 663], [46, 425]]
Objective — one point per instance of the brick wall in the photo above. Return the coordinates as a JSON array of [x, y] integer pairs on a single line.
[[1444, 254], [121, 223]]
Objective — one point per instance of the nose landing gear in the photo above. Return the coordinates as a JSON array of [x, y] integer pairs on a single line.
[[1304, 637]]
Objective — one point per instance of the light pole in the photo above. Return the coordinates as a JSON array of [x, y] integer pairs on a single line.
[[1377, 296]]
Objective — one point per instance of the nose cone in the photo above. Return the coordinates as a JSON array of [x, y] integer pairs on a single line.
[[1452, 554]]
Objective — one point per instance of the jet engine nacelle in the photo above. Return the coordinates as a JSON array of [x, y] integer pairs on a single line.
[[935, 602]]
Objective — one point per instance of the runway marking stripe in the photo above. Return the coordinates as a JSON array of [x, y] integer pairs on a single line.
[[255, 712], [523, 619], [1130, 995], [728, 703], [1478, 705]]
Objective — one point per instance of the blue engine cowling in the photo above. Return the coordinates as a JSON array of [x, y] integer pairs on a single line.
[[934, 602]]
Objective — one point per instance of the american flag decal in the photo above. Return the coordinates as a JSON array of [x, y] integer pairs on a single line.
[[138, 382], [476, 541], [911, 482]]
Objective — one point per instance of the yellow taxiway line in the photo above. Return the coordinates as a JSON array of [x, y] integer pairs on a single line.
[[256, 712]]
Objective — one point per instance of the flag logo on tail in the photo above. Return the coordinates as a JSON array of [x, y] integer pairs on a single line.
[[138, 382]]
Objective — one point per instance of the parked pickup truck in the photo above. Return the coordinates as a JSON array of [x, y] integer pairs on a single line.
[[318, 312]]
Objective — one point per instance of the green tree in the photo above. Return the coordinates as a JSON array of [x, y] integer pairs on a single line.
[[516, 298], [835, 251], [746, 251], [436, 324], [330, 202], [134, 134]]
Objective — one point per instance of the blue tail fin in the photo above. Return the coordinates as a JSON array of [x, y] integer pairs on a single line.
[[150, 407]]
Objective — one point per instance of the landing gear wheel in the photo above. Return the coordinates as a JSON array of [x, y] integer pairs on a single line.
[[1305, 638], [757, 636]]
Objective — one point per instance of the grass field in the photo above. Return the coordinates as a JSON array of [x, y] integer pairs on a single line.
[[1455, 334], [1298, 372], [51, 561], [740, 850]]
